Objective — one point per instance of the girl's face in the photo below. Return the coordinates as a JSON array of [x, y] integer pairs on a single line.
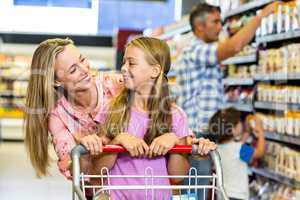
[[138, 74], [72, 70]]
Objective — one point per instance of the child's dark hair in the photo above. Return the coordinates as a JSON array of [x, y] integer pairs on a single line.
[[222, 123]]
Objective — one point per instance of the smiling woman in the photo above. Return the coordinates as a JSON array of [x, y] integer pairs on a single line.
[[63, 99]]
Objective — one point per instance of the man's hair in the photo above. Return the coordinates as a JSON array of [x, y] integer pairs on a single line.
[[222, 123], [200, 11]]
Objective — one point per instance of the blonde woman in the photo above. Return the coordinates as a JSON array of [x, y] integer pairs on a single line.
[[62, 99]]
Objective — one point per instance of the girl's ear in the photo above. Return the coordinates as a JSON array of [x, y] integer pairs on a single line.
[[57, 84], [156, 70]]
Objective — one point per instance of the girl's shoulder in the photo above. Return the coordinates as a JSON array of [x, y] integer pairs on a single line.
[[177, 111]]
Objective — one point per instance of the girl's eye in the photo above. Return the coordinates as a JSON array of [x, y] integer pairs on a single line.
[[82, 60]]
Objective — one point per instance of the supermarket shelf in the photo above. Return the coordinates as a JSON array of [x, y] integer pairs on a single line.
[[282, 138], [245, 107], [238, 81], [11, 129], [240, 60], [277, 76], [277, 106], [276, 177], [11, 96], [14, 78], [249, 6], [178, 31], [278, 37]]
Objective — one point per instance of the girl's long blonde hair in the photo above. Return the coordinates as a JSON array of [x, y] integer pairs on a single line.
[[40, 101], [156, 52]]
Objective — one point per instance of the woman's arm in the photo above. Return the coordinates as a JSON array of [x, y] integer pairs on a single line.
[[178, 164], [63, 142], [105, 160]]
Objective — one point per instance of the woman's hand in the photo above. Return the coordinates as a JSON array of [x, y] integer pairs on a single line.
[[94, 143], [162, 144], [135, 146], [204, 145]]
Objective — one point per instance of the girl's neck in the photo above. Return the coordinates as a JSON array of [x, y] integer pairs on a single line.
[[140, 101]]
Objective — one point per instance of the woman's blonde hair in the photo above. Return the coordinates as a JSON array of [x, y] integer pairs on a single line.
[[40, 100], [156, 52]]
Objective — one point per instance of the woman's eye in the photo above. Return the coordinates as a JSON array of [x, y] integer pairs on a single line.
[[73, 70]]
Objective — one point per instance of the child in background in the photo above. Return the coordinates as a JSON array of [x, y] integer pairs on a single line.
[[235, 155], [146, 123]]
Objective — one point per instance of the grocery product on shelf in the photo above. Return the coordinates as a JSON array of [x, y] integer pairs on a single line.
[[278, 93], [242, 71], [283, 60], [282, 160], [239, 94], [288, 124], [266, 190], [285, 19], [14, 73]]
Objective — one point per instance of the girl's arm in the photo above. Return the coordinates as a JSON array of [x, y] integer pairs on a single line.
[[134, 145]]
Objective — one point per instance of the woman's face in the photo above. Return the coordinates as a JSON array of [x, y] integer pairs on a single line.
[[138, 74], [72, 70]]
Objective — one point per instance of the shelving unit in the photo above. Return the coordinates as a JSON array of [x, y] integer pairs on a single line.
[[249, 6], [281, 78], [283, 138], [245, 107], [179, 30], [238, 81], [277, 106], [277, 77], [276, 177], [278, 37], [240, 60]]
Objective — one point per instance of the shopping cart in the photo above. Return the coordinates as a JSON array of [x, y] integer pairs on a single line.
[[79, 183]]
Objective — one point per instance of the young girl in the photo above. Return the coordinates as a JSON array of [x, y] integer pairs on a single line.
[[145, 121], [234, 153]]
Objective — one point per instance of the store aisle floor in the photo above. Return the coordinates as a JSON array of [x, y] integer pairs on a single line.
[[18, 182]]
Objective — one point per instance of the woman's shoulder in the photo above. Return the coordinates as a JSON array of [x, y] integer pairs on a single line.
[[112, 82]]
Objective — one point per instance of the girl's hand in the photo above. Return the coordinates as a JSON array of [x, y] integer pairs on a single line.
[[135, 146], [162, 144], [204, 145], [94, 143]]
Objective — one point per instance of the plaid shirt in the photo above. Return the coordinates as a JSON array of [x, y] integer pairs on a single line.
[[199, 80]]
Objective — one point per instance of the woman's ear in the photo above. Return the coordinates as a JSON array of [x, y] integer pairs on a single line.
[[156, 70]]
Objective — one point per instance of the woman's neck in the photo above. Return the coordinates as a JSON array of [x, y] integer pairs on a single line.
[[86, 100]]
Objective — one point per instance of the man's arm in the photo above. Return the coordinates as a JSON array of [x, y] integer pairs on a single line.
[[236, 43]]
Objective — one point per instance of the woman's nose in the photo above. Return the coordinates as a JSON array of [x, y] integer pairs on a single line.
[[84, 68]]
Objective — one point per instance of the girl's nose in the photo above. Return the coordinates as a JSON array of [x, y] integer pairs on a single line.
[[124, 68]]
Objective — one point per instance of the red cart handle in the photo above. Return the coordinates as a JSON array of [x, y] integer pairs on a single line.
[[121, 149]]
